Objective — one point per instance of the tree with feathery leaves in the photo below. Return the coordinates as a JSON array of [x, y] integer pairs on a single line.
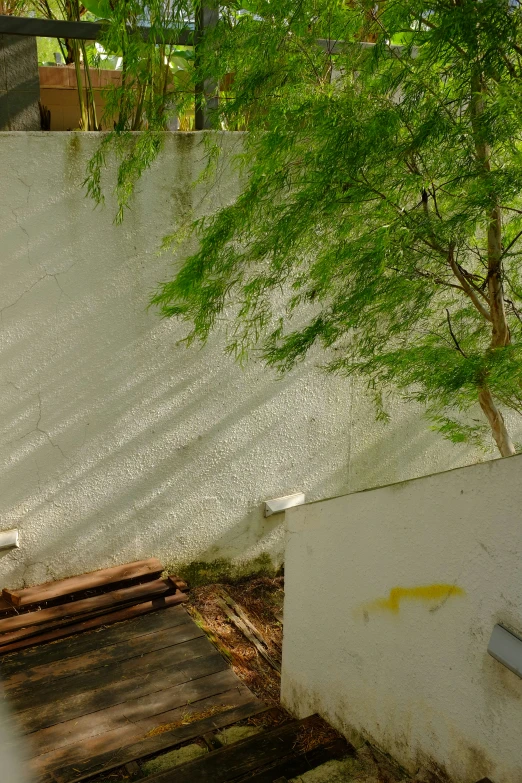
[[382, 200]]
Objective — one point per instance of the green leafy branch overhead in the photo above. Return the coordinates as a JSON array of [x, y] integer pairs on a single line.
[[381, 213], [156, 87]]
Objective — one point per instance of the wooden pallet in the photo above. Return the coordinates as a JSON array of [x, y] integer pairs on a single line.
[[263, 758], [106, 578], [35, 615], [93, 702], [123, 682]]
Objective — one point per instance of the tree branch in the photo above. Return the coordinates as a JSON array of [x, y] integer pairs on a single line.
[[511, 209], [470, 291], [514, 309], [432, 26], [506, 249], [431, 276], [459, 349], [470, 277]]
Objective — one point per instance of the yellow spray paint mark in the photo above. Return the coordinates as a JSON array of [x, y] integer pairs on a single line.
[[437, 592]]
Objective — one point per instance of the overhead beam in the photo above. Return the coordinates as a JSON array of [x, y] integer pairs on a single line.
[[83, 31], [92, 31]]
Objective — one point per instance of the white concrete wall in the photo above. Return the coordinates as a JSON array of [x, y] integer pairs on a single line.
[[116, 442], [390, 599]]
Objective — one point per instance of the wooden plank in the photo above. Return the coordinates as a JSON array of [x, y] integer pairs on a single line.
[[245, 630], [35, 680], [104, 601], [128, 712], [140, 681], [241, 759], [298, 763], [178, 583], [77, 625], [27, 634], [251, 627], [118, 750], [113, 673], [85, 31], [105, 577], [132, 621], [53, 28]]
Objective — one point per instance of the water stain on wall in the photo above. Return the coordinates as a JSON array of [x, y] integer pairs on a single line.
[[423, 593]]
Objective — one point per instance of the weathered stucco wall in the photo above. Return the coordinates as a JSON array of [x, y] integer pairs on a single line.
[[391, 596], [118, 443]]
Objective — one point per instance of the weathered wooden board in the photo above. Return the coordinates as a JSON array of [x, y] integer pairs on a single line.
[[180, 584], [31, 685], [129, 622], [246, 627], [103, 699], [139, 682], [297, 763], [241, 759], [103, 601], [106, 719], [95, 620], [57, 629], [120, 750], [78, 584], [186, 645]]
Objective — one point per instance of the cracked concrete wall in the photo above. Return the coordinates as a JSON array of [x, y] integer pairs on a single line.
[[118, 443], [390, 642]]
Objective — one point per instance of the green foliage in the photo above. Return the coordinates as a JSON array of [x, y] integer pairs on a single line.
[[73, 51], [14, 7], [100, 8], [46, 49], [381, 214], [155, 87]]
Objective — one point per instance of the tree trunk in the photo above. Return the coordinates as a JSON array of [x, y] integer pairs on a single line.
[[496, 422], [500, 335]]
